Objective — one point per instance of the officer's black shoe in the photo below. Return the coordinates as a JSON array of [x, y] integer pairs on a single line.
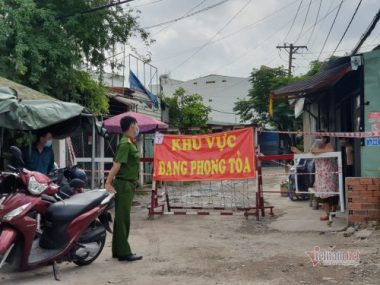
[[131, 257]]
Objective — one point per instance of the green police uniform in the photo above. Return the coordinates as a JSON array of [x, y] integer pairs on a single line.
[[128, 156]]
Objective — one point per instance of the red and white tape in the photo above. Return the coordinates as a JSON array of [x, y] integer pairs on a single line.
[[328, 134], [285, 174]]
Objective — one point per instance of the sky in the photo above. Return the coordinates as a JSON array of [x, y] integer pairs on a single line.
[[236, 36]]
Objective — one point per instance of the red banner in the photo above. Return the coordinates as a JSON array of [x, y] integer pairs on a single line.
[[219, 156]]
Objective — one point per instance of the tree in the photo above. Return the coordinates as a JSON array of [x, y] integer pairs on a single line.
[[187, 110], [43, 47], [315, 67], [255, 107]]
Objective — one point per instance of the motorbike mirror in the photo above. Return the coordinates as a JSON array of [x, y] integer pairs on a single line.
[[17, 155]]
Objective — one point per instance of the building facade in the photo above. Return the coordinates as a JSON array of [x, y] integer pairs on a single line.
[[218, 92], [344, 97]]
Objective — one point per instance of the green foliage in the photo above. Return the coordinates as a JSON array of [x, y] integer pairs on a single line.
[[187, 110], [315, 67], [43, 49], [91, 94], [255, 107]]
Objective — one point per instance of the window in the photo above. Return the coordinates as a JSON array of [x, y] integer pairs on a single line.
[[209, 82], [195, 83]]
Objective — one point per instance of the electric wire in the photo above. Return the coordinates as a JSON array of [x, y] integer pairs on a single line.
[[348, 26], [304, 21], [331, 27], [186, 13], [294, 20], [187, 16], [315, 23], [216, 34]]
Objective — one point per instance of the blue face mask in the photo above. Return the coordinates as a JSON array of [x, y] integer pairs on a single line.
[[49, 143]]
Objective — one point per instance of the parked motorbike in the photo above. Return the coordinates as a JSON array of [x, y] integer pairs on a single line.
[[71, 180], [74, 229], [305, 179]]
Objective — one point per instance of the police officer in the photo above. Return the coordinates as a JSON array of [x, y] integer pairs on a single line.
[[122, 181]]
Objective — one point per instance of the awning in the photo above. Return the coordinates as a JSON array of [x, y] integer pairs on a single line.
[[40, 111], [326, 78], [146, 124], [122, 99], [23, 92]]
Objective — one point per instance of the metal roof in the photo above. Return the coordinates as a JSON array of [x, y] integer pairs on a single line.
[[326, 78]]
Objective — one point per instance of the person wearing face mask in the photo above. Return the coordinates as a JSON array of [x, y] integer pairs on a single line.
[[122, 181], [40, 156]]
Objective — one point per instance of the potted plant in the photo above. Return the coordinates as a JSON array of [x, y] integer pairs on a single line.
[[284, 188]]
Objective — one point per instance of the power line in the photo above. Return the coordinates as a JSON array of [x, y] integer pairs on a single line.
[[234, 33], [188, 12], [272, 35], [295, 17], [348, 26], [304, 21], [187, 16], [259, 45], [367, 32], [83, 12], [147, 4], [332, 25], [321, 19], [217, 33], [195, 7], [328, 9], [315, 23], [340, 50]]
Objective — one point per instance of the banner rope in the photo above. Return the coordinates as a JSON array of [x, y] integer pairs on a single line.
[[327, 134]]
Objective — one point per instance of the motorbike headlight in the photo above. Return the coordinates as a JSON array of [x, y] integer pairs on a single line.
[[35, 187], [15, 212]]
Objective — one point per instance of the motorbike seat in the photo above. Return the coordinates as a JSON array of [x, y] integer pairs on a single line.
[[71, 208]]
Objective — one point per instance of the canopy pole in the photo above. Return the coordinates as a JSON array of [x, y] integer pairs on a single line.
[[93, 157]]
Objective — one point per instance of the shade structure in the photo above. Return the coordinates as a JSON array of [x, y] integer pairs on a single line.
[[29, 115], [146, 124]]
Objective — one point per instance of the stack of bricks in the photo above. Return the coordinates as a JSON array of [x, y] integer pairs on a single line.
[[363, 199]]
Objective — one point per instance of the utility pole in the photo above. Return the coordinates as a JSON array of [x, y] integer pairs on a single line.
[[291, 49]]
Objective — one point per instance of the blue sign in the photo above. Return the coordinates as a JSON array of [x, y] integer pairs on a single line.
[[372, 142]]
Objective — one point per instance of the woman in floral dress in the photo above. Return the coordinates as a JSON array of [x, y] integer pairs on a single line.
[[326, 177]]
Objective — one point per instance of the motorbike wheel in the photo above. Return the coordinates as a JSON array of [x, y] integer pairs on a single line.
[[89, 259], [14, 259]]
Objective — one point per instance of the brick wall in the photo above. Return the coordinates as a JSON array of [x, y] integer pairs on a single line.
[[363, 199]]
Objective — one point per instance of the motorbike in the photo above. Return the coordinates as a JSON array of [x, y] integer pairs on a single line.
[[302, 171], [71, 180], [74, 229]]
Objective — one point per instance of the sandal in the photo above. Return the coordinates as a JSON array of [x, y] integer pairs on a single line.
[[324, 218]]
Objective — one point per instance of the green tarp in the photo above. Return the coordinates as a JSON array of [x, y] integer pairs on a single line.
[[23, 92], [30, 115]]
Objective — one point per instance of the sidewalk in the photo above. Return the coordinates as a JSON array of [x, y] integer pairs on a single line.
[[295, 216], [299, 217]]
